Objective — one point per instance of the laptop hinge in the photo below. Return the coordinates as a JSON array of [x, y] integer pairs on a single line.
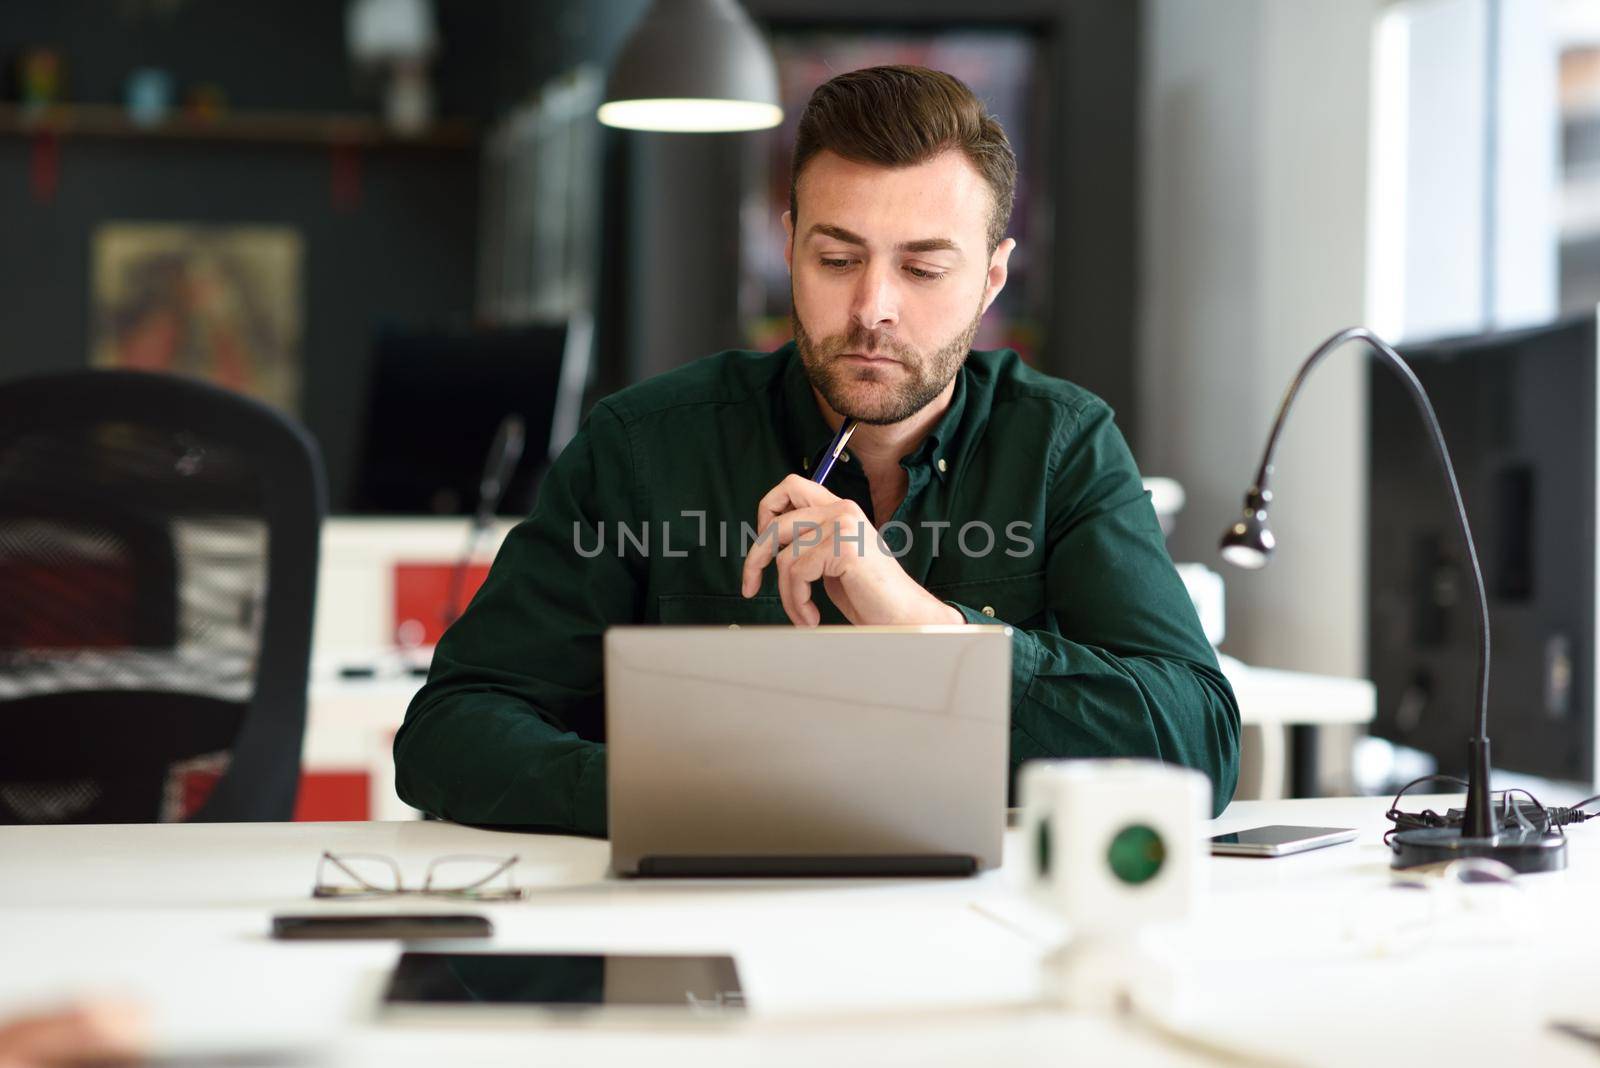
[[801, 866]]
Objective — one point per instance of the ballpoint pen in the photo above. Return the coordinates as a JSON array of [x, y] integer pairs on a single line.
[[831, 457]]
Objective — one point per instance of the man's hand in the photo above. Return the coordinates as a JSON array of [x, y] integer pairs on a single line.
[[812, 534]]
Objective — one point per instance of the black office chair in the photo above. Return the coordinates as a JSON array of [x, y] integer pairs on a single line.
[[158, 565]]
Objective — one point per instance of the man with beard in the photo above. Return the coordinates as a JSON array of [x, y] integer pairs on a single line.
[[973, 490]]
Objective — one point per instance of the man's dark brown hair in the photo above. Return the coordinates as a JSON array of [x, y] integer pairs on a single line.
[[900, 117]]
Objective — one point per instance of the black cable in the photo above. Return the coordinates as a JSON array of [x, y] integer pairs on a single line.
[[1519, 790], [1410, 821], [1565, 814], [1555, 817], [1549, 814], [1426, 778]]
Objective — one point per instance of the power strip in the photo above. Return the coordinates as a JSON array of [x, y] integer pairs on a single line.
[[1532, 815]]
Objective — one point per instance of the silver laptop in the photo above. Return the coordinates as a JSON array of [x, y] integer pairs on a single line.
[[829, 751]]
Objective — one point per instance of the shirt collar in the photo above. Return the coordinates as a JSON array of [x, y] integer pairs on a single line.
[[808, 434]]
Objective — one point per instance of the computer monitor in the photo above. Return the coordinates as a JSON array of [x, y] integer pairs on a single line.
[[436, 398], [1518, 411]]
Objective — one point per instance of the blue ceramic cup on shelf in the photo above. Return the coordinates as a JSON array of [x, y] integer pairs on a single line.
[[149, 96]]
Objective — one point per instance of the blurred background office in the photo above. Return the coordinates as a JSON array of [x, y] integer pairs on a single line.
[[399, 221]]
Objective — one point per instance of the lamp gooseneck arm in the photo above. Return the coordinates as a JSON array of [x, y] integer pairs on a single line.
[[1478, 822]]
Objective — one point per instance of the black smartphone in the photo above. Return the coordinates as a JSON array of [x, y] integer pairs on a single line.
[[409, 927]]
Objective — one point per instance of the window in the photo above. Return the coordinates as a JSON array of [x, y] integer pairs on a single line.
[[1578, 46]]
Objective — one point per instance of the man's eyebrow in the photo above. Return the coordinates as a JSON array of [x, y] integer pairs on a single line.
[[930, 244], [838, 233], [850, 237]]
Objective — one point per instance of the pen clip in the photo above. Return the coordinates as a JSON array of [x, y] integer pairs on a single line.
[[829, 458], [843, 439]]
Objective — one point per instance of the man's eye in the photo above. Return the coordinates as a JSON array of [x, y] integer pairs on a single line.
[[836, 264], [927, 276]]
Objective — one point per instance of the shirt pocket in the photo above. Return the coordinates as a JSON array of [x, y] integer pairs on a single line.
[[1018, 599], [718, 609]]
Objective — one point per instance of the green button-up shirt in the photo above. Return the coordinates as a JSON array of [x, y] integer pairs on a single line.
[[1023, 507]]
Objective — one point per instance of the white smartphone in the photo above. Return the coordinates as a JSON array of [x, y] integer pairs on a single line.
[[1278, 840]]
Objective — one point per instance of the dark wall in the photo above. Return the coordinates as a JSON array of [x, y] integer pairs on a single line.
[[291, 54], [405, 254]]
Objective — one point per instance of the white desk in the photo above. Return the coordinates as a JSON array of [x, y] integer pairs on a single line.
[[889, 972], [1271, 701]]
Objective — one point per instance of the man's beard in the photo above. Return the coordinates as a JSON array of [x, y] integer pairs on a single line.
[[866, 394]]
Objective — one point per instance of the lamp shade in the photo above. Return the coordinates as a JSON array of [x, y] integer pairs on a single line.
[[693, 66], [381, 31], [1248, 543]]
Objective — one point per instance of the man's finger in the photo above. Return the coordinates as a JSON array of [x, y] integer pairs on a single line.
[[789, 527], [797, 572], [792, 493], [795, 595], [770, 540]]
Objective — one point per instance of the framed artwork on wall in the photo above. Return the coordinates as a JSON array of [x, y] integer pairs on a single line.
[[220, 303]]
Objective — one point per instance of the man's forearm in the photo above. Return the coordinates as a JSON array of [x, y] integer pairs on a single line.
[[1074, 700], [485, 758]]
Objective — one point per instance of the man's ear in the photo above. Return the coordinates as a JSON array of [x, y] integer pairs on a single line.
[[997, 271], [788, 240]]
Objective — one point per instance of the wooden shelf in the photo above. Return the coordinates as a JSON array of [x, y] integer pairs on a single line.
[[107, 121]]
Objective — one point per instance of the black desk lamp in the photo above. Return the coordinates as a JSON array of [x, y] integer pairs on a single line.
[[1249, 544], [505, 452]]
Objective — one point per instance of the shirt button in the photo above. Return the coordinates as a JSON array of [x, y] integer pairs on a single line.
[[988, 610], [942, 465], [845, 457]]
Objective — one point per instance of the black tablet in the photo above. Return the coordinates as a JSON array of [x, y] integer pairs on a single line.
[[567, 981]]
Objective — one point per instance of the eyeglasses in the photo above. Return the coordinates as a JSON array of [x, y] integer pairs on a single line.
[[1473, 900], [1456, 874], [363, 875]]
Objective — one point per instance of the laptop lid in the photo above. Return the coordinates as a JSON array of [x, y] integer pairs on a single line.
[[831, 750]]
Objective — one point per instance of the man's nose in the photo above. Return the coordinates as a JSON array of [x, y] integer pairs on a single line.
[[877, 303]]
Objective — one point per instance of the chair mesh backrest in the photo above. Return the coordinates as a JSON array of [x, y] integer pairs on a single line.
[[133, 583]]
